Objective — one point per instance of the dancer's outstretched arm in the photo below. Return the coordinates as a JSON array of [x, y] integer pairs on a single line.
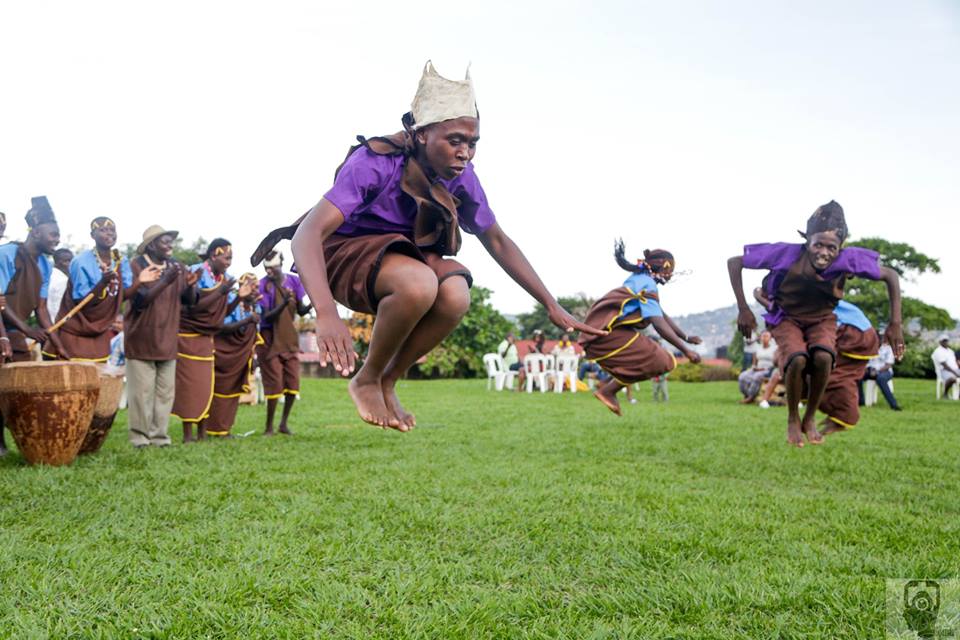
[[508, 255], [333, 336], [746, 321]]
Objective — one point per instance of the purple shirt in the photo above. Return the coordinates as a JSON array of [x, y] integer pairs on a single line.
[[367, 193], [267, 290], [778, 257]]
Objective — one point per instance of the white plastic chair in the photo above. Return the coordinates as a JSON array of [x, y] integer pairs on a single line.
[[497, 373], [550, 369], [567, 367], [535, 366], [941, 382], [871, 392]]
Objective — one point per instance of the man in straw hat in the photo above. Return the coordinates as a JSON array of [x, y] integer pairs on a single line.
[[150, 335], [396, 209], [25, 280]]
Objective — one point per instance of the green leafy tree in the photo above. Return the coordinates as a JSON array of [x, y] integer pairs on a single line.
[[577, 305], [460, 355], [909, 263]]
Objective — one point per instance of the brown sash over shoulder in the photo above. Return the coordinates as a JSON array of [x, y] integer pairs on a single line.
[[435, 227], [23, 297], [86, 336], [283, 337], [206, 316]]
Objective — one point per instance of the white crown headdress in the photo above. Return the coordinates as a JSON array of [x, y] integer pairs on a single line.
[[440, 99]]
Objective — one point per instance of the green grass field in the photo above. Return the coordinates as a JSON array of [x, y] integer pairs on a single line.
[[502, 515]]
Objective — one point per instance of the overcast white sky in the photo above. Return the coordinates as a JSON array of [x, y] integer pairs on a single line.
[[695, 126]]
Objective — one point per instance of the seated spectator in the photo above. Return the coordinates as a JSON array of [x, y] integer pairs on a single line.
[[763, 362], [564, 347], [947, 359], [538, 340], [880, 369], [511, 357]]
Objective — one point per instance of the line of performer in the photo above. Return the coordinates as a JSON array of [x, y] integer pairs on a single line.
[[383, 240], [190, 333]]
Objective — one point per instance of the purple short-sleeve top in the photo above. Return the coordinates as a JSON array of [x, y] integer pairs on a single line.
[[367, 192], [779, 257]]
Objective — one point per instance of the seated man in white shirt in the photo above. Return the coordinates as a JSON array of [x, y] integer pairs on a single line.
[[880, 369], [947, 359]]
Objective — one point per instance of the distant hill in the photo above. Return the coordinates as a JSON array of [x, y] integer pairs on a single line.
[[716, 327]]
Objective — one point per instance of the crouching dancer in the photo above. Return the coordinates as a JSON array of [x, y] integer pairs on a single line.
[[625, 353], [804, 285], [376, 243]]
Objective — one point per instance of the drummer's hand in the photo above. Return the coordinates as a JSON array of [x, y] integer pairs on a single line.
[[3, 302], [6, 351], [150, 274], [336, 345], [37, 334]]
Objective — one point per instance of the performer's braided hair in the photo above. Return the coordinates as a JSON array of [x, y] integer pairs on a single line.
[[659, 262]]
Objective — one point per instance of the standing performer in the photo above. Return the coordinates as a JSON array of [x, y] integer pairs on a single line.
[[805, 284], [199, 322], [59, 278], [24, 280], [278, 356], [624, 352], [150, 336], [234, 347], [395, 210], [107, 279]]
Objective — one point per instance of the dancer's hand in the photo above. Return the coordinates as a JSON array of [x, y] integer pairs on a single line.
[[151, 273], [336, 345], [692, 356], [894, 336], [192, 277], [694, 340], [746, 322], [560, 317], [245, 289]]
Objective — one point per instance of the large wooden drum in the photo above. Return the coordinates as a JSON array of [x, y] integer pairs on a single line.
[[111, 388], [47, 406]]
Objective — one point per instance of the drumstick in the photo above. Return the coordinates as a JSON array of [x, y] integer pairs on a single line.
[[76, 309]]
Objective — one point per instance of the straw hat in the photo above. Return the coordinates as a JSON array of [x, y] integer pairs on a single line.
[[153, 232]]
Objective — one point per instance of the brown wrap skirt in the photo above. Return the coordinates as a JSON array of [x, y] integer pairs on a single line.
[[840, 400], [194, 387]]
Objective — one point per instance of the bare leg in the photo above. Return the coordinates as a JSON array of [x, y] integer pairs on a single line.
[[3, 442], [288, 400], [607, 394], [822, 362], [188, 432], [271, 411], [407, 290], [452, 303], [202, 430], [794, 380], [772, 385]]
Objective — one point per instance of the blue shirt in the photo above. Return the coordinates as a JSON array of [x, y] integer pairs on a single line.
[[8, 267], [238, 313], [849, 313], [206, 281], [648, 307], [85, 273]]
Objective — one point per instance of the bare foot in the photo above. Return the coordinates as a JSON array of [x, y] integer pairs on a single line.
[[829, 426], [285, 430], [368, 398], [392, 402], [810, 430], [794, 434], [269, 432], [610, 402]]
